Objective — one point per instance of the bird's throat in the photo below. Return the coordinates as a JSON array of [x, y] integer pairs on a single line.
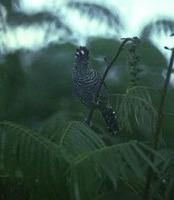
[[82, 66]]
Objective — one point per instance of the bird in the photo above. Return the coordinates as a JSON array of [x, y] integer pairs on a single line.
[[86, 81]]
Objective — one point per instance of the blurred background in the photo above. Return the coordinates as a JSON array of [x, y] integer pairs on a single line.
[[38, 39], [37, 43]]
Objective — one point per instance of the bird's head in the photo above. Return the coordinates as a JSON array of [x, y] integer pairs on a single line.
[[82, 53]]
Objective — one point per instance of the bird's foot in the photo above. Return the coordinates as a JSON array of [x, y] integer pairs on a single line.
[[86, 121], [96, 103]]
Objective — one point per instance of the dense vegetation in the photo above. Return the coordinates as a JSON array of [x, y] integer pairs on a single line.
[[49, 153]]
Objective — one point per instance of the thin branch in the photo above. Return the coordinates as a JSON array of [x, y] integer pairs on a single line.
[[105, 74], [158, 125]]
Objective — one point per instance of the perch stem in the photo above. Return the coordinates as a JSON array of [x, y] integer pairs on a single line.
[[104, 77], [158, 126]]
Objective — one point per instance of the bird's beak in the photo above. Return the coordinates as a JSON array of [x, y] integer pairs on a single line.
[[77, 53]]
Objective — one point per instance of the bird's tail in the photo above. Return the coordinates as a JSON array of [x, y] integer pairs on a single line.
[[110, 118]]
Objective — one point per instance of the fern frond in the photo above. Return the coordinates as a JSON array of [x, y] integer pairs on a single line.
[[92, 162], [98, 12], [78, 139], [160, 25], [53, 127], [124, 162], [89, 162], [22, 18], [163, 184], [135, 107], [38, 159]]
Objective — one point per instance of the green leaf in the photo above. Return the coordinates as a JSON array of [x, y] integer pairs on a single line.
[[135, 108], [78, 139], [38, 159]]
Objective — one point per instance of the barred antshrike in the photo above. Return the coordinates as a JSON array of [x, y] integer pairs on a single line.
[[86, 82]]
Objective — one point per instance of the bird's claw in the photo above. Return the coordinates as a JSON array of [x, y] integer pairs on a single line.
[[86, 121]]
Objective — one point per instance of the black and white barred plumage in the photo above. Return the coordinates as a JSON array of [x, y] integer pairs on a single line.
[[86, 82]]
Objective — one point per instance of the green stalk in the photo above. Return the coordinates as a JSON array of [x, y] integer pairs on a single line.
[[105, 74], [150, 173]]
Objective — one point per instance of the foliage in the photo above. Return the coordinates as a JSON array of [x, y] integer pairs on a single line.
[[100, 12], [135, 106], [77, 159], [161, 25]]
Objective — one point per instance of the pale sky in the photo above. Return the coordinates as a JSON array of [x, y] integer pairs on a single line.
[[134, 14]]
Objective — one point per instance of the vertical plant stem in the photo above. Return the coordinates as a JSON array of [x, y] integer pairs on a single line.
[[158, 126], [90, 115], [104, 77]]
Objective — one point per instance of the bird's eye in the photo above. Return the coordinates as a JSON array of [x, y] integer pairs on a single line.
[[82, 52]]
